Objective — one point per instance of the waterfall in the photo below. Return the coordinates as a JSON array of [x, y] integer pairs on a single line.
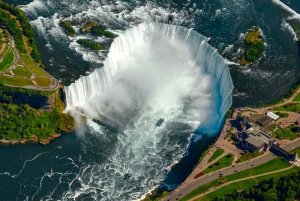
[[87, 88], [160, 83]]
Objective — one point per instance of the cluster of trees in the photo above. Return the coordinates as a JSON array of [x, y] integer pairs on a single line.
[[254, 44], [13, 28], [90, 44], [286, 188], [66, 25], [33, 98], [16, 31], [22, 122], [100, 30]]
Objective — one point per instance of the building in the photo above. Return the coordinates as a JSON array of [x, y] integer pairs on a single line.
[[278, 151], [272, 115], [257, 141], [263, 120]]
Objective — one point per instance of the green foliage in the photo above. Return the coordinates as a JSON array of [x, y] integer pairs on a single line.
[[287, 133], [17, 32], [272, 165], [297, 98], [90, 44], [216, 154], [286, 188], [22, 122], [13, 28], [22, 71], [7, 60], [100, 30], [254, 46], [282, 114], [291, 107], [69, 30]]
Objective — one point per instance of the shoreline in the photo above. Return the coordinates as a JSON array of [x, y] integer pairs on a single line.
[[33, 140], [191, 179]]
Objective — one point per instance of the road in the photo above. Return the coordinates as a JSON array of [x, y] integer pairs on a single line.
[[189, 187], [238, 180]]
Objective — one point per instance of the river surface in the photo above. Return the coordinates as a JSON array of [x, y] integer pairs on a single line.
[[69, 168]]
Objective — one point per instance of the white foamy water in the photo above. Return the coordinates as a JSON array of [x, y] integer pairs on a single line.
[[286, 26], [293, 14], [153, 71], [113, 13]]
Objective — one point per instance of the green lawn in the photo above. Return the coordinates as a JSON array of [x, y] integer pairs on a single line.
[[22, 71], [242, 185], [30, 64], [292, 107], [42, 82], [221, 163], [7, 60], [248, 156], [282, 114], [286, 133], [15, 81], [272, 165], [216, 154], [297, 98]]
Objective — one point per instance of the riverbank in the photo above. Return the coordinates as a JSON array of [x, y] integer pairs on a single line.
[[31, 100], [33, 140], [197, 177]]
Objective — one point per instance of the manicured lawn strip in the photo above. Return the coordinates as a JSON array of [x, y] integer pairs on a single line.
[[292, 107], [30, 64], [7, 61], [15, 81], [242, 185], [216, 154], [42, 81], [272, 165], [221, 163], [22, 71]]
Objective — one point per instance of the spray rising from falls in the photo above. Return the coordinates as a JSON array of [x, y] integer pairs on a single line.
[[159, 84]]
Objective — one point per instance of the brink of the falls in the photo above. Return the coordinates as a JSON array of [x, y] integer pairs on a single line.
[[153, 73]]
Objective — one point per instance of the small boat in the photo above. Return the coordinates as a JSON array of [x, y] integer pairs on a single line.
[[159, 122]]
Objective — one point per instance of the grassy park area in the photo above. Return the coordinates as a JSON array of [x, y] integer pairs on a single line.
[[276, 164], [216, 154], [286, 133], [221, 163], [254, 46], [290, 107]]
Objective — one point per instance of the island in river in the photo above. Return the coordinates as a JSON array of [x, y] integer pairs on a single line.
[[254, 46], [31, 100]]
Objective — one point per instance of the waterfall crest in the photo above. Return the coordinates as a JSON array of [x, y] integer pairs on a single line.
[[160, 83], [205, 58]]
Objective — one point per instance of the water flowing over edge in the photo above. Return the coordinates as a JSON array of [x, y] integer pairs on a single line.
[[92, 85], [86, 88]]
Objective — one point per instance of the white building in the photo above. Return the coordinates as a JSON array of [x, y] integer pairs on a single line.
[[272, 115]]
